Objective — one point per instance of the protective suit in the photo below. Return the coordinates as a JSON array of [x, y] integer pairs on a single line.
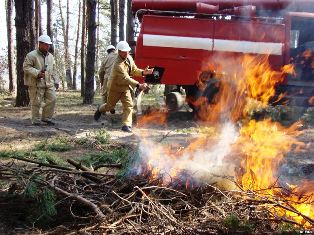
[[120, 86], [41, 90], [104, 73]]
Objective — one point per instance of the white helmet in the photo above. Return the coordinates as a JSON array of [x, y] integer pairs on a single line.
[[123, 46], [45, 39], [110, 47]]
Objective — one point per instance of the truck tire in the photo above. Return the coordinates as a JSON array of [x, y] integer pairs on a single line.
[[174, 101]]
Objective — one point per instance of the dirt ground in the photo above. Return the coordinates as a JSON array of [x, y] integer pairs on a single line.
[[72, 118]]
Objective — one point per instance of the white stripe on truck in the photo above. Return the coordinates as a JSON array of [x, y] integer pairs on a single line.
[[269, 48], [177, 42]]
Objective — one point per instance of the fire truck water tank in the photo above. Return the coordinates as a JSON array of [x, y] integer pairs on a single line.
[[191, 5]]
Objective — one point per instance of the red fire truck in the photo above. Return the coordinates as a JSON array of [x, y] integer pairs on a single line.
[[176, 37]]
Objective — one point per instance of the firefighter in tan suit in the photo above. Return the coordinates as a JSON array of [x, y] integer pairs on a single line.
[[39, 76], [105, 69], [120, 85]]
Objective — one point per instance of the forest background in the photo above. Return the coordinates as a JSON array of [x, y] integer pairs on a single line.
[[80, 29]]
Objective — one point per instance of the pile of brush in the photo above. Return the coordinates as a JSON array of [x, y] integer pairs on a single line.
[[108, 203]]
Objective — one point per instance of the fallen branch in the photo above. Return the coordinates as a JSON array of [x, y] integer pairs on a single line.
[[171, 218], [78, 165], [43, 164], [81, 199]]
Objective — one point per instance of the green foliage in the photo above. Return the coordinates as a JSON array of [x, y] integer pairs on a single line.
[[46, 157], [84, 141], [99, 137], [41, 156], [96, 159], [45, 199], [233, 223], [11, 153], [54, 145], [102, 136], [308, 116], [47, 202], [31, 190]]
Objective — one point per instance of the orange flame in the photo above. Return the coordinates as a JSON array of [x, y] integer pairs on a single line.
[[301, 204], [263, 145], [153, 117], [258, 146], [254, 79]]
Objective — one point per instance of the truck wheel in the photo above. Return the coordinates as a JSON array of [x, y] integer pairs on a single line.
[[174, 101], [170, 88]]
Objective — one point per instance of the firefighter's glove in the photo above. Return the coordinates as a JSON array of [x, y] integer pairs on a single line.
[[41, 74], [148, 71], [57, 86], [143, 87]]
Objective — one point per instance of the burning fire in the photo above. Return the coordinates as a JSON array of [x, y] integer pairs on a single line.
[[256, 147], [301, 199], [153, 117], [263, 146], [245, 78], [192, 162]]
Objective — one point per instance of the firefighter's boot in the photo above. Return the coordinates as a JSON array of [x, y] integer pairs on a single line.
[[127, 129], [97, 114]]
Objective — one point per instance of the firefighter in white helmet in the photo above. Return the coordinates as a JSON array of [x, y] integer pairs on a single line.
[[42, 82], [121, 84], [105, 69]]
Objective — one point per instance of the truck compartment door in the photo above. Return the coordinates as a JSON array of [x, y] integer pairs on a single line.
[[177, 44]]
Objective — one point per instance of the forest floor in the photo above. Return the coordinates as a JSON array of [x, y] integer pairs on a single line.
[[73, 119]]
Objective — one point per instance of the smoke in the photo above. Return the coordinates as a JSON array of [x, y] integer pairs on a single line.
[[198, 164]]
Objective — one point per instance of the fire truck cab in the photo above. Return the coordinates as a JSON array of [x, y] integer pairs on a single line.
[[179, 38]]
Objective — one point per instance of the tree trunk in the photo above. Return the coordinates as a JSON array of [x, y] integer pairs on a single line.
[[67, 59], [49, 10], [36, 20], [38, 28], [83, 49], [130, 36], [90, 56], [12, 75], [114, 21], [97, 48], [25, 42], [76, 46], [68, 63], [121, 20]]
